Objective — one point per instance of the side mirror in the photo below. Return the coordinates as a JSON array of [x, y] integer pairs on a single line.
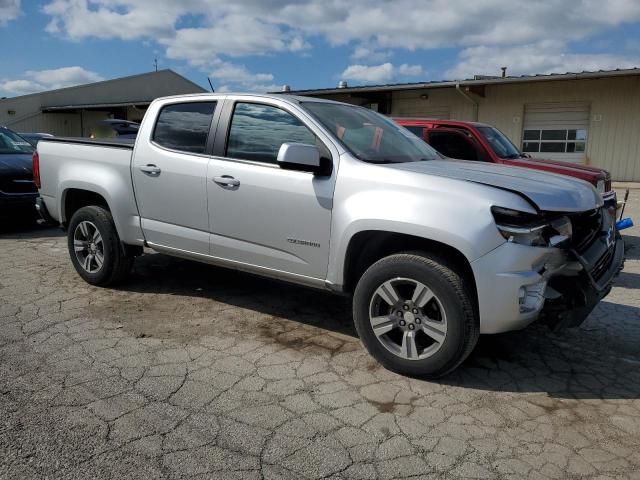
[[299, 156]]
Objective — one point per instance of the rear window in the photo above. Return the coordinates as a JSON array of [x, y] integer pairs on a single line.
[[184, 126]]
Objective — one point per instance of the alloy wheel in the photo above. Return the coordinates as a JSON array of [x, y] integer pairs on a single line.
[[408, 319], [88, 246]]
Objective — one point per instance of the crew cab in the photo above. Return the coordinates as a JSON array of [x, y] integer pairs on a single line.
[[481, 142], [337, 197]]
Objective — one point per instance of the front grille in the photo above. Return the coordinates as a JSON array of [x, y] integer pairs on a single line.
[[602, 265], [18, 185], [586, 227]]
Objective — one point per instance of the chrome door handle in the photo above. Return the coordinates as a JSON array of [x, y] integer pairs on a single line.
[[227, 181], [150, 169]]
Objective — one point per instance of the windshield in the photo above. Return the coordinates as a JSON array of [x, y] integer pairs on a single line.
[[11, 143], [370, 136], [499, 143]]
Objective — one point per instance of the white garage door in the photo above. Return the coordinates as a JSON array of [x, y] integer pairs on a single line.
[[556, 130]]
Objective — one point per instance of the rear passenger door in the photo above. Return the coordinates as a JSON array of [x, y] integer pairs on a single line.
[[169, 172], [261, 215]]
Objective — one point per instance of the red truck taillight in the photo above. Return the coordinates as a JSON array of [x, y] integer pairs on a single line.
[[36, 169]]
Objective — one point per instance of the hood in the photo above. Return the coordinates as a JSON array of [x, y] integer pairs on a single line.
[[590, 174], [15, 164], [547, 191]]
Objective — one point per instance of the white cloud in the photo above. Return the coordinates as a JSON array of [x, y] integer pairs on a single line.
[[79, 19], [42, 80], [205, 32], [542, 57], [9, 10], [367, 54], [369, 74], [238, 77], [384, 72], [410, 70], [238, 73]]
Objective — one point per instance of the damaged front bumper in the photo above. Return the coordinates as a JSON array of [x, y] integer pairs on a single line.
[[519, 284], [575, 297]]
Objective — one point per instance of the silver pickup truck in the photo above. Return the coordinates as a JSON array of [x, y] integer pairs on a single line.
[[337, 197]]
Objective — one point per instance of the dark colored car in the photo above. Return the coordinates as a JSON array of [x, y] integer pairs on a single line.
[[34, 138], [18, 192], [114, 128], [482, 142]]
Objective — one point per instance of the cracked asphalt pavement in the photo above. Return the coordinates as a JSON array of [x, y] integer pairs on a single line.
[[190, 371]]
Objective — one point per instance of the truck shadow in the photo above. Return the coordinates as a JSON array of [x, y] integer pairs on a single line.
[[632, 247], [600, 360]]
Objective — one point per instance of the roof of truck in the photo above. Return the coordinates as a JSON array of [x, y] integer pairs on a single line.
[[291, 98]]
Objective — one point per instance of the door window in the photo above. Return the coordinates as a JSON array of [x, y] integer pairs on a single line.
[[453, 145], [258, 131], [184, 126], [417, 131]]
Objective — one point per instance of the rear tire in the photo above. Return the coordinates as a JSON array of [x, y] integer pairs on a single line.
[[414, 314], [95, 248]]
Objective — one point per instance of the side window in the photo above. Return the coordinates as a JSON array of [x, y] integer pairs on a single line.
[[258, 131], [453, 145], [417, 131], [184, 126]]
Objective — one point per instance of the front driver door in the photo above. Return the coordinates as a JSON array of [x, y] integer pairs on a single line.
[[260, 214]]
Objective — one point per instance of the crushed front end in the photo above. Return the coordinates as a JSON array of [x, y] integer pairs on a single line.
[[554, 268], [596, 257]]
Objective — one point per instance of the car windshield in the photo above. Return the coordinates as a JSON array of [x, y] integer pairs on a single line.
[[12, 143], [499, 143], [370, 136]]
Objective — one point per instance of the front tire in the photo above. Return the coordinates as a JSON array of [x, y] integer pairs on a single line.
[[95, 248], [414, 314]]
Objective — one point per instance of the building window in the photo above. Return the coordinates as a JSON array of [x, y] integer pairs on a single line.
[[554, 141]]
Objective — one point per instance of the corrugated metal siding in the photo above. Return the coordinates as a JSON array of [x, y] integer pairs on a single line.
[[439, 113], [443, 103], [613, 142], [28, 118]]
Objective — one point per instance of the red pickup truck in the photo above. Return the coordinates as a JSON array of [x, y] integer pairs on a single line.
[[482, 142]]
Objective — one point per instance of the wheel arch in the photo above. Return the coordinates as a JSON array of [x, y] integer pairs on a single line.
[[73, 199], [368, 246]]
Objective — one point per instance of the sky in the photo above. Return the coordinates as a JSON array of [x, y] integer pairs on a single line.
[[261, 45]]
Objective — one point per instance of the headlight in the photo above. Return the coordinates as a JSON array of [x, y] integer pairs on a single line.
[[600, 186], [531, 229]]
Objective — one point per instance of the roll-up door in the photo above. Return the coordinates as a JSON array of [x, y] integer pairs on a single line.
[[556, 130]]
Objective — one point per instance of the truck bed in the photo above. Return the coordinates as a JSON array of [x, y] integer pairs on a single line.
[[100, 166]]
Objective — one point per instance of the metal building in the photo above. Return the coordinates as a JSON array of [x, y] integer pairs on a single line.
[[542, 114], [74, 111]]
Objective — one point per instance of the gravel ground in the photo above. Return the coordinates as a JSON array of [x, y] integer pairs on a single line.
[[190, 371]]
